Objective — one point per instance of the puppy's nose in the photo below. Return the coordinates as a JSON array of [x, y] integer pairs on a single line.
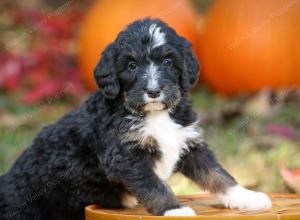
[[153, 93]]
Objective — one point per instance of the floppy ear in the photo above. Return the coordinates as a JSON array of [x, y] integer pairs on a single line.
[[105, 73], [191, 68]]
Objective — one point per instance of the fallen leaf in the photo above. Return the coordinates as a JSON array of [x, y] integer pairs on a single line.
[[291, 178], [282, 130]]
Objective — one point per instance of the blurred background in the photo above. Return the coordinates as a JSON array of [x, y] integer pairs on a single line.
[[247, 96]]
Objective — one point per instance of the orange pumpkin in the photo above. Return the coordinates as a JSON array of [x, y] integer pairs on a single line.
[[249, 45], [108, 17]]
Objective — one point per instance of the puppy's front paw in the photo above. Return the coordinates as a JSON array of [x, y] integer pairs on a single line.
[[240, 198], [183, 211]]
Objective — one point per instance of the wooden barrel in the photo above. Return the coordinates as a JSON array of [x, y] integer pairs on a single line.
[[285, 207]]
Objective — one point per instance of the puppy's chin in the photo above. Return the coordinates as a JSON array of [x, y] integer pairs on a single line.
[[154, 106]]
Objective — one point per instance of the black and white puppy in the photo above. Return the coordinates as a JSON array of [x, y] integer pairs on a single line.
[[122, 145]]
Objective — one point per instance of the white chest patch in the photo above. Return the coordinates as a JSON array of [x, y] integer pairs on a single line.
[[171, 138]]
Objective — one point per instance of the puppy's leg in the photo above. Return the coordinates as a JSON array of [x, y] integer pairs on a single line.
[[156, 196], [200, 165], [130, 201], [138, 177]]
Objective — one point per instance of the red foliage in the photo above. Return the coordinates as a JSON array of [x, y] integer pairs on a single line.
[[48, 67]]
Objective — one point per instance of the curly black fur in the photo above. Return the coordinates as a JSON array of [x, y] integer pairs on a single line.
[[87, 156]]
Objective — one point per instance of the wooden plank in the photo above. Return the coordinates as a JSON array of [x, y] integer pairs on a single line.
[[285, 207]]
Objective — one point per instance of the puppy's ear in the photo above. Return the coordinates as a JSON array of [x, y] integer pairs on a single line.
[[191, 68], [105, 73]]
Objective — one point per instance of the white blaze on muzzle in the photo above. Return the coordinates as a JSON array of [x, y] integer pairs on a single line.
[[152, 73], [152, 76]]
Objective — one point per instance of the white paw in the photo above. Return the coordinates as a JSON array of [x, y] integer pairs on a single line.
[[183, 211], [237, 197], [129, 201]]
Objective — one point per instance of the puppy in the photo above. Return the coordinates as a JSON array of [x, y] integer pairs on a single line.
[[122, 145]]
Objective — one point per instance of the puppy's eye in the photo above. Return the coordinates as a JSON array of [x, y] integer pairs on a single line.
[[131, 66], [167, 62]]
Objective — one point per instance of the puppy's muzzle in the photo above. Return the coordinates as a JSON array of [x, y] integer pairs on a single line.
[[154, 100]]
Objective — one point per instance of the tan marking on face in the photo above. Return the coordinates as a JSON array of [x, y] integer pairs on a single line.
[[155, 106], [129, 201], [125, 96]]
